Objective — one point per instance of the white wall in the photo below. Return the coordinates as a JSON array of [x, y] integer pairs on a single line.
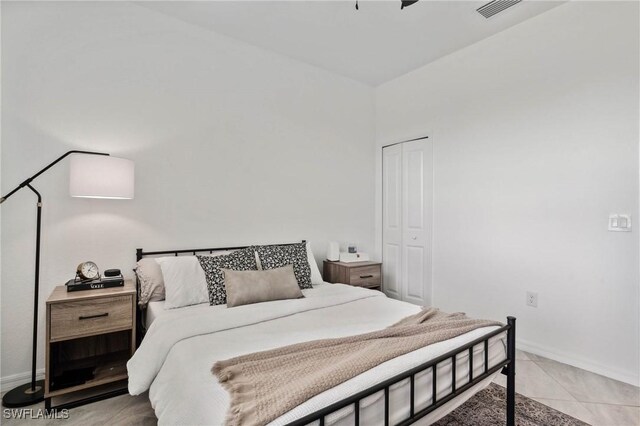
[[232, 145], [535, 134]]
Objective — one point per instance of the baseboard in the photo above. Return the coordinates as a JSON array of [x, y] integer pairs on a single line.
[[603, 370], [9, 382]]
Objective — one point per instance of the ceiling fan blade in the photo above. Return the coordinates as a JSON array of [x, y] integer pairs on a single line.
[[406, 3]]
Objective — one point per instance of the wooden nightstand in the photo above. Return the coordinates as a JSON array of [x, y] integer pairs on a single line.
[[361, 274], [91, 335]]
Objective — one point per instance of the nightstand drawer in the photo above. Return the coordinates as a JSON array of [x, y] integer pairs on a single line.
[[90, 317], [365, 276]]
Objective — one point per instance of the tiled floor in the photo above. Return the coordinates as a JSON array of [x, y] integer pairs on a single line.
[[589, 397], [592, 398]]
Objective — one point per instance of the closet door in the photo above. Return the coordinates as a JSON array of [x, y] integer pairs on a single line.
[[417, 195], [407, 211], [392, 220]]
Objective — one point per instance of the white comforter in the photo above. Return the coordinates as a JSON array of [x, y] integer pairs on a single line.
[[175, 359]]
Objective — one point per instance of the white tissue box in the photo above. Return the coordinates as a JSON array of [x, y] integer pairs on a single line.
[[353, 257]]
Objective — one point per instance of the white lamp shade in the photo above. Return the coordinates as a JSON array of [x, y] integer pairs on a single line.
[[101, 176]]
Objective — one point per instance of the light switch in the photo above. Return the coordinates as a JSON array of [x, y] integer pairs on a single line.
[[620, 222]]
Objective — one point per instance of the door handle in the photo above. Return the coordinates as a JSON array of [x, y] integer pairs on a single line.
[[414, 238]]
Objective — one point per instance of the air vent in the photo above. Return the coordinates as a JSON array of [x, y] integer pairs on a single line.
[[496, 6]]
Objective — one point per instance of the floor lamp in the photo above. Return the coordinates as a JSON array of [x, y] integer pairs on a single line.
[[92, 175]]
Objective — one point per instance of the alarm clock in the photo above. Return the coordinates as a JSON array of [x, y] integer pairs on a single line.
[[88, 271]]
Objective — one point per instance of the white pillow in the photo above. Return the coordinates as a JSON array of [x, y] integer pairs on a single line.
[[316, 278], [184, 281]]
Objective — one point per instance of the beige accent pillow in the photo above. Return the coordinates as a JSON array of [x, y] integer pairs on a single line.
[[246, 287], [151, 281]]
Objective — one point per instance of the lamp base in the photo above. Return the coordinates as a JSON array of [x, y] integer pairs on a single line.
[[23, 395]]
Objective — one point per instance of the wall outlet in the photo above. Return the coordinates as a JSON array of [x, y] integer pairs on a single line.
[[532, 299]]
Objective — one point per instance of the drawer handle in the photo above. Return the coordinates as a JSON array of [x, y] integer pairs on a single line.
[[83, 317], [366, 276]]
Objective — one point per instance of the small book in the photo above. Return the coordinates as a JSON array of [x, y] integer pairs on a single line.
[[104, 282]]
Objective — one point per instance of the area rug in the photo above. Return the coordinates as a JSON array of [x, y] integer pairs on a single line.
[[488, 408]]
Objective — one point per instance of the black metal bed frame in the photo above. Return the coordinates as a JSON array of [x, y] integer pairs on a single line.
[[507, 367]]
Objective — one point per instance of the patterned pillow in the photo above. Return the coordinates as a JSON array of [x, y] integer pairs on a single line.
[[291, 254], [239, 260]]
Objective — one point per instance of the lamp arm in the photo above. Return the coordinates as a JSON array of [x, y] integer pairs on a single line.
[[28, 181]]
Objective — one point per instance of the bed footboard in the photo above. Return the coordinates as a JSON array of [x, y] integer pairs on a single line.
[[508, 367]]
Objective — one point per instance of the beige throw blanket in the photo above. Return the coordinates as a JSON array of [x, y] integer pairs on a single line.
[[265, 385]]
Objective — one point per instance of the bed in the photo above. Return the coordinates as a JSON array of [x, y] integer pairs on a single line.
[[180, 346]]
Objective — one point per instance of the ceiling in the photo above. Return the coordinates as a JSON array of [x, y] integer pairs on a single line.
[[374, 44]]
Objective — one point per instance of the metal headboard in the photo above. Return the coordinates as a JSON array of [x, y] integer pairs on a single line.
[[140, 253]]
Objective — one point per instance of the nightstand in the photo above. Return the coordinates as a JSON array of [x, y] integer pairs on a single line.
[[361, 274], [91, 335]]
